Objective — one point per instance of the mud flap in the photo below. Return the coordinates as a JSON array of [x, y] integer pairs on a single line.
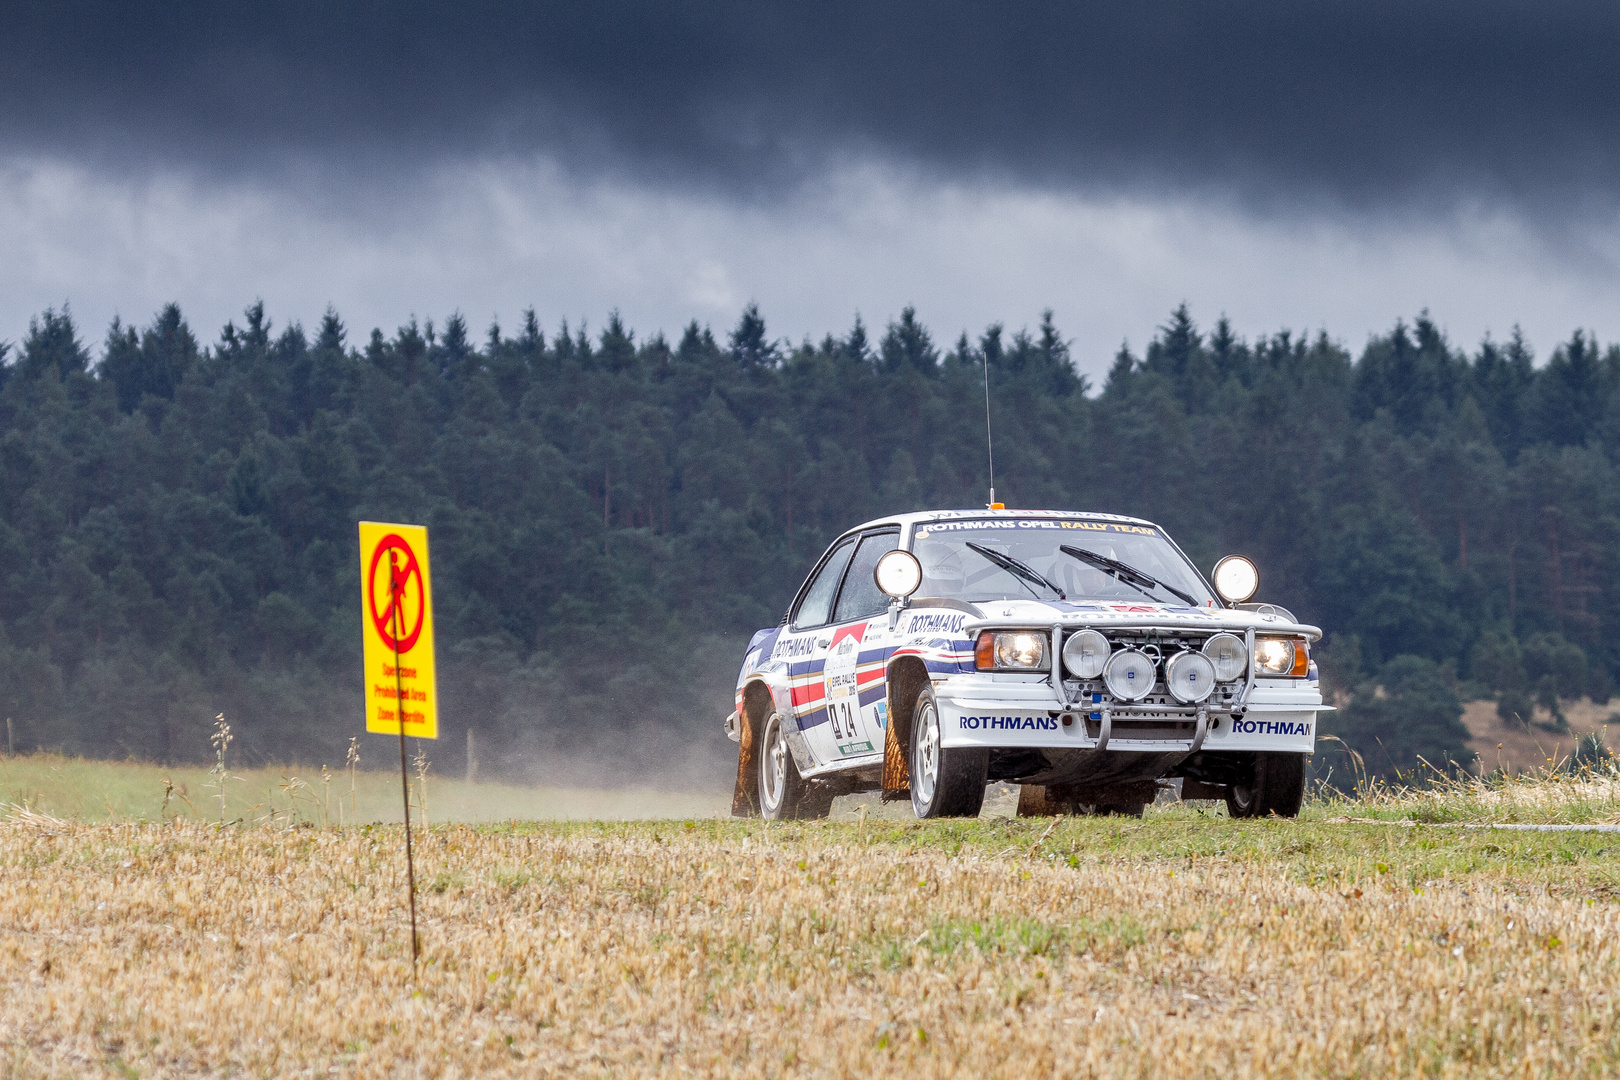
[[1197, 789], [1035, 800], [896, 766], [1032, 802], [745, 797]]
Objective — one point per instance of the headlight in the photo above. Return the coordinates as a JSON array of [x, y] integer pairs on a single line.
[[1010, 650], [1085, 653], [1190, 676], [1229, 655], [1281, 657], [1130, 675]]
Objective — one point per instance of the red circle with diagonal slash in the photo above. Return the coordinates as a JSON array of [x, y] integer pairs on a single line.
[[383, 620]]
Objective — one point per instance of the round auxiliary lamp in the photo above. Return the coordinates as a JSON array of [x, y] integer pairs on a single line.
[[1228, 655], [1235, 579], [1085, 653], [1190, 677], [1130, 675], [898, 574]]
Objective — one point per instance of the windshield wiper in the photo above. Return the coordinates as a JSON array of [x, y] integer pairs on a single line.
[[1125, 572], [1018, 569]]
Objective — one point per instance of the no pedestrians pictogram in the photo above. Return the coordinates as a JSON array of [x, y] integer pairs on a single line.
[[397, 593]]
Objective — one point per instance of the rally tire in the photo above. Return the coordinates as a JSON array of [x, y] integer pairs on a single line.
[[944, 783], [1278, 787], [781, 788]]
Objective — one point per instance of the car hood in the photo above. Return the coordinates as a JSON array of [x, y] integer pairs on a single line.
[[1125, 614]]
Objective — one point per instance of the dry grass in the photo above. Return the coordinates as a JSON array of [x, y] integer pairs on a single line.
[[1530, 744], [1184, 945], [1558, 791], [1549, 798]]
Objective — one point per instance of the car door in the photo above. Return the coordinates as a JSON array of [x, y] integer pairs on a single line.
[[802, 645], [853, 700]]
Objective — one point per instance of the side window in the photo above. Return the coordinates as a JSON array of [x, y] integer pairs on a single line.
[[861, 598], [816, 607]]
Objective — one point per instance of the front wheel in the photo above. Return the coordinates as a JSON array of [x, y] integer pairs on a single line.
[[944, 783], [1278, 787]]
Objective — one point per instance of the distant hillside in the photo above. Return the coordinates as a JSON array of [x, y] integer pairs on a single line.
[[611, 517]]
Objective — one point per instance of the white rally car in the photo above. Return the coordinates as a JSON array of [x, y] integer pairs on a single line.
[[1082, 656]]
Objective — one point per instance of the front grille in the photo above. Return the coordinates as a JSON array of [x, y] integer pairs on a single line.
[[1144, 730], [1090, 695]]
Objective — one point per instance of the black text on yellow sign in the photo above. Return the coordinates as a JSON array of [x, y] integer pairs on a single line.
[[396, 617]]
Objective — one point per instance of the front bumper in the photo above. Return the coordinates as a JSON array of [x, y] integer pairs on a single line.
[[1002, 712]]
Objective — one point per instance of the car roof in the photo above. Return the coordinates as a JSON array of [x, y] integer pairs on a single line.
[[947, 515]]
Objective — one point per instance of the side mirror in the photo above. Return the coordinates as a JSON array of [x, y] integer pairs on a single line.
[[898, 574], [1235, 579]]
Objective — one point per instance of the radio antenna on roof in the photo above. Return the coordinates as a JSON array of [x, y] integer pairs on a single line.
[[989, 444]]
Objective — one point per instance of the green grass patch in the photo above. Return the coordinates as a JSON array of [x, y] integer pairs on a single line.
[[87, 790]]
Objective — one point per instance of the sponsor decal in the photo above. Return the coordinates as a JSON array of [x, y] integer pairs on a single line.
[[1036, 523], [855, 748], [882, 715], [843, 698], [936, 624], [1270, 727], [1008, 723], [793, 648]]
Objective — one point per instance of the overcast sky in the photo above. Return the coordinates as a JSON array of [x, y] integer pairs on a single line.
[[1291, 165]]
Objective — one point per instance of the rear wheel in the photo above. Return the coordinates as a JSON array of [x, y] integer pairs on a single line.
[[1278, 787], [944, 783], [783, 793]]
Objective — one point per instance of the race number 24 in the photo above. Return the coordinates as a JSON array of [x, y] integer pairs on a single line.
[[843, 719]]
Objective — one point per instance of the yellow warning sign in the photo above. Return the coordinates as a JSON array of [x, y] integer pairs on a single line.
[[396, 616]]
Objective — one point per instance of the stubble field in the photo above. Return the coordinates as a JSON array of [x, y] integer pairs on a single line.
[[1181, 945]]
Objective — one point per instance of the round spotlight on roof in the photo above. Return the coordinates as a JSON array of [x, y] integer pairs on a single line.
[[1236, 579], [898, 573]]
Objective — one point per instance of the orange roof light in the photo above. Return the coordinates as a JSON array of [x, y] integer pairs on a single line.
[[998, 506]]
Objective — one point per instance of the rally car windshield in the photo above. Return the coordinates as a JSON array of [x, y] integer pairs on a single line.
[[1008, 558]]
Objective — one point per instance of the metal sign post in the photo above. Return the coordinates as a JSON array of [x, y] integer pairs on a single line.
[[404, 773], [397, 625]]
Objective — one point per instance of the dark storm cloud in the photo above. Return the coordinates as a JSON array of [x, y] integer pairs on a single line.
[[1366, 102]]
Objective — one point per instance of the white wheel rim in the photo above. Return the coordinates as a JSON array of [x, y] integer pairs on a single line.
[[925, 767], [773, 767]]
